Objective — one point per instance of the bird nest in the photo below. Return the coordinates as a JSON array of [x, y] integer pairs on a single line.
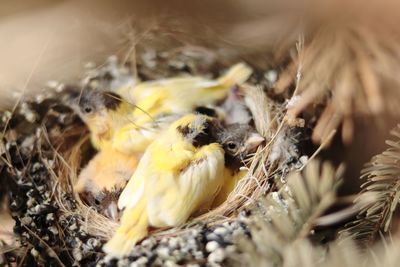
[[46, 145], [337, 70]]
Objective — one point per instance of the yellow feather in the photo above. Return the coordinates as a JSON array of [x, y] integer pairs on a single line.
[[153, 98], [230, 183], [134, 227], [108, 170], [183, 94], [103, 126], [237, 74]]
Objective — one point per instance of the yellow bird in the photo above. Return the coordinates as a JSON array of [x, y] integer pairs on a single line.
[[131, 127], [132, 138], [238, 140], [101, 182], [180, 173], [104, 113], [115, 124], [163, 101], [184, 94]]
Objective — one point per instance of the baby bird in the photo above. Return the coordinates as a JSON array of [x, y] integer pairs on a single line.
[[101, 182], [180, 174], [238, 140], [183, 94], [104, 113], [130, 127], [134, 139], [117, 126]]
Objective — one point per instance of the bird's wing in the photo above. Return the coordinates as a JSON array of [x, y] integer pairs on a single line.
[[230, 182], [147, 88], [133, 138], [175, 196], [134, 190], [162, 156], [237, 74]]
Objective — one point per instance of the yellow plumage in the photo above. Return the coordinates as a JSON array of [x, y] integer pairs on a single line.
[[230, 182], [130, 127], [171, 97], [177, 95], [132, 138], [173, 180], [104, 113], [108, 170], [102, 180], [103, 130]]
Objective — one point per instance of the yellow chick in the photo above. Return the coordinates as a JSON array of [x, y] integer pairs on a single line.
[[184, 94], [101, 182], [180, 174], [104, 113], [131, 127], [134, 139], [163, 101]]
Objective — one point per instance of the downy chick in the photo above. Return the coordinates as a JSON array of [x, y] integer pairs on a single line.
[[238, 141], [104, 113], [101, 182], [183, 94], [180, 174]]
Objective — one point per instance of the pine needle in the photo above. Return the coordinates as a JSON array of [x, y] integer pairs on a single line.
[[382, 176], [289, 215]]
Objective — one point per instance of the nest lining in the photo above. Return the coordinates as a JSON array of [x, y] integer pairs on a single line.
[[57, 227]]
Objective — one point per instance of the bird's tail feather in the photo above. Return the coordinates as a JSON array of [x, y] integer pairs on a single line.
[[237, 74], [133, 228]]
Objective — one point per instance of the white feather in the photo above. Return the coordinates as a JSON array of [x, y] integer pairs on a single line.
[[134, 190]]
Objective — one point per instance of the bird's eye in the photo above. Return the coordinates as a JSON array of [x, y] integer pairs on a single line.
[[97, 202], [232, 146], [88, 109]]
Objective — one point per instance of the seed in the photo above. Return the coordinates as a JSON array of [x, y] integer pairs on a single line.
[[212, 246]]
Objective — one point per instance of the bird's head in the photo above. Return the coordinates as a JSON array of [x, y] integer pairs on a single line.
[[94, 107], [199, 129], [238, 142], [105, 202]]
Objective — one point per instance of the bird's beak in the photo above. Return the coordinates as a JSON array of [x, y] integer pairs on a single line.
[[253, 142], [112, 211]]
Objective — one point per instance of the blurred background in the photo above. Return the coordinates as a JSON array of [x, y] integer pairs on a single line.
[[46, 40], [52, 39]]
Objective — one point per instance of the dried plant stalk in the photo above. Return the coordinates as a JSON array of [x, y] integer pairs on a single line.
[[348, 61]]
